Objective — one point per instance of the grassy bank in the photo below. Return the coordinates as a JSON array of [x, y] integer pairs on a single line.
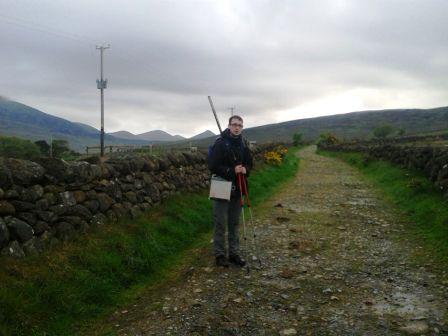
[[414, 194], [71, 286]]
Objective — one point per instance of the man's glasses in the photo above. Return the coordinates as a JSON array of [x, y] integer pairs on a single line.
[[237, 125]]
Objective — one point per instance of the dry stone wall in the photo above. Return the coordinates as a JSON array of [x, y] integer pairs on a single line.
[[432, 161], [48, 201]]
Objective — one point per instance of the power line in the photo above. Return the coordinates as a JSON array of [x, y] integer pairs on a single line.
[[45, 29], [125, 56]]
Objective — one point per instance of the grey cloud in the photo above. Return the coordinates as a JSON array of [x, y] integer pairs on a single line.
[[262, 56]]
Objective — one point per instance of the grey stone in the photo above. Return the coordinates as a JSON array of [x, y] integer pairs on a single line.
[[65, 231], [98, 219], [91, 195], [40, 227], [79, 211], [25, 172], [4, 233], [83, 227], [53, 189], [129, 179], [149, 165], [135, 212], [47, 216], [111, 216], [67, 198], [59, 209], [114, 191], [34, 193], [138, 184], [93, 160], [12, 194], [20, 230], [44, 240], [92, 205], [57, 168], [105, 201], [415, 328], [50, 197], [80, 196], [13, 250], [131, 197], [22, 206], [30, 247], [125, 187], [27, 217], [145, 206], [42, 204], [119, 210], [6, 208], [73, 220]]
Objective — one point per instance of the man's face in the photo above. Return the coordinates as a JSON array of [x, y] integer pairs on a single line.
[[236, 127]]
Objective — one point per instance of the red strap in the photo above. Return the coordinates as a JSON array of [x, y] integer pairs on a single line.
[[246, 192], [241, 189]]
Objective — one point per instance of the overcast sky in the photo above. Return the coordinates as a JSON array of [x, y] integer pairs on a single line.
[[273, 60]]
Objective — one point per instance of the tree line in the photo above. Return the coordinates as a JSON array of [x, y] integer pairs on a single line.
[[13, 147]]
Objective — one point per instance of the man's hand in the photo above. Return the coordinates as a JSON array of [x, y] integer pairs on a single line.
[[240, 169]]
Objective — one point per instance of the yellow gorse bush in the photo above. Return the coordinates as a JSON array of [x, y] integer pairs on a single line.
[[275, 157]]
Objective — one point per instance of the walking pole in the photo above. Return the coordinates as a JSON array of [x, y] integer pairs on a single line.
[[240, 177], [256, 247], [214, 113]]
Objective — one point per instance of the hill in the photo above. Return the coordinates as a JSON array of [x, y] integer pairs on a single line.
[[23, 121], [350, 125], [158, 135], [203, 135]]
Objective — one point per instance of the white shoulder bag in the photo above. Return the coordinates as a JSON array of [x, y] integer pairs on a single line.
[[220, 188]]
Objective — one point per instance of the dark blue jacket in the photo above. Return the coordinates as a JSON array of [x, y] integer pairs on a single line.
[[227, 153]]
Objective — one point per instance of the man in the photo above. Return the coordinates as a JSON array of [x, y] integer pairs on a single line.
[[229, 157]]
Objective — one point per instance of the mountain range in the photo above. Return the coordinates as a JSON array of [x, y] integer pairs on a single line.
[[20, 120], [23, 121], [348, 126]]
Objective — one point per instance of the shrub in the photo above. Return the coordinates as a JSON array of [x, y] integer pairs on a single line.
[[383, 131], [17, 148], [275, 157], [327, 139], [297, 139]]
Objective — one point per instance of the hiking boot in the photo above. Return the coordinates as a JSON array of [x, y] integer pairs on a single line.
[[222, 261], [236, 260]]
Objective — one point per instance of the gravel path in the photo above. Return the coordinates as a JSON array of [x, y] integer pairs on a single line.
[[334, 262]]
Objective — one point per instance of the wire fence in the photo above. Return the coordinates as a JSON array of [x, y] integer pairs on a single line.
[[145, 149]]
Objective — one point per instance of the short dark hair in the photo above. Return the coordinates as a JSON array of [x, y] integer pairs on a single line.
[[235, 117]]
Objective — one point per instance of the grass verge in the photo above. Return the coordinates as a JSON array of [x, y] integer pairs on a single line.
[[412, 193], [65, 289]]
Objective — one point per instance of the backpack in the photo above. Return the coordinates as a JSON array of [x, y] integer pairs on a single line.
[[228, 146]]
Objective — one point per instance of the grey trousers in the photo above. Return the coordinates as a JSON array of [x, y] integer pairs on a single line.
[[226, 214]]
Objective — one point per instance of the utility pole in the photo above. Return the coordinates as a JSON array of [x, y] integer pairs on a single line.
[[231, 108], [101, 84]]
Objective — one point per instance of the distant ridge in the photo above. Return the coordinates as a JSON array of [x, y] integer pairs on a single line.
[[349, 125], [125, 135], [26, 122], [159, 135], [203, 135], [23, 121]]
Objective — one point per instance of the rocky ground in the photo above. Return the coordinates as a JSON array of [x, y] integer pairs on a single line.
[[334, 261]]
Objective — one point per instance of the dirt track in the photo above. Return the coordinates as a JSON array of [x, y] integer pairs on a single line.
[[333, 263]]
